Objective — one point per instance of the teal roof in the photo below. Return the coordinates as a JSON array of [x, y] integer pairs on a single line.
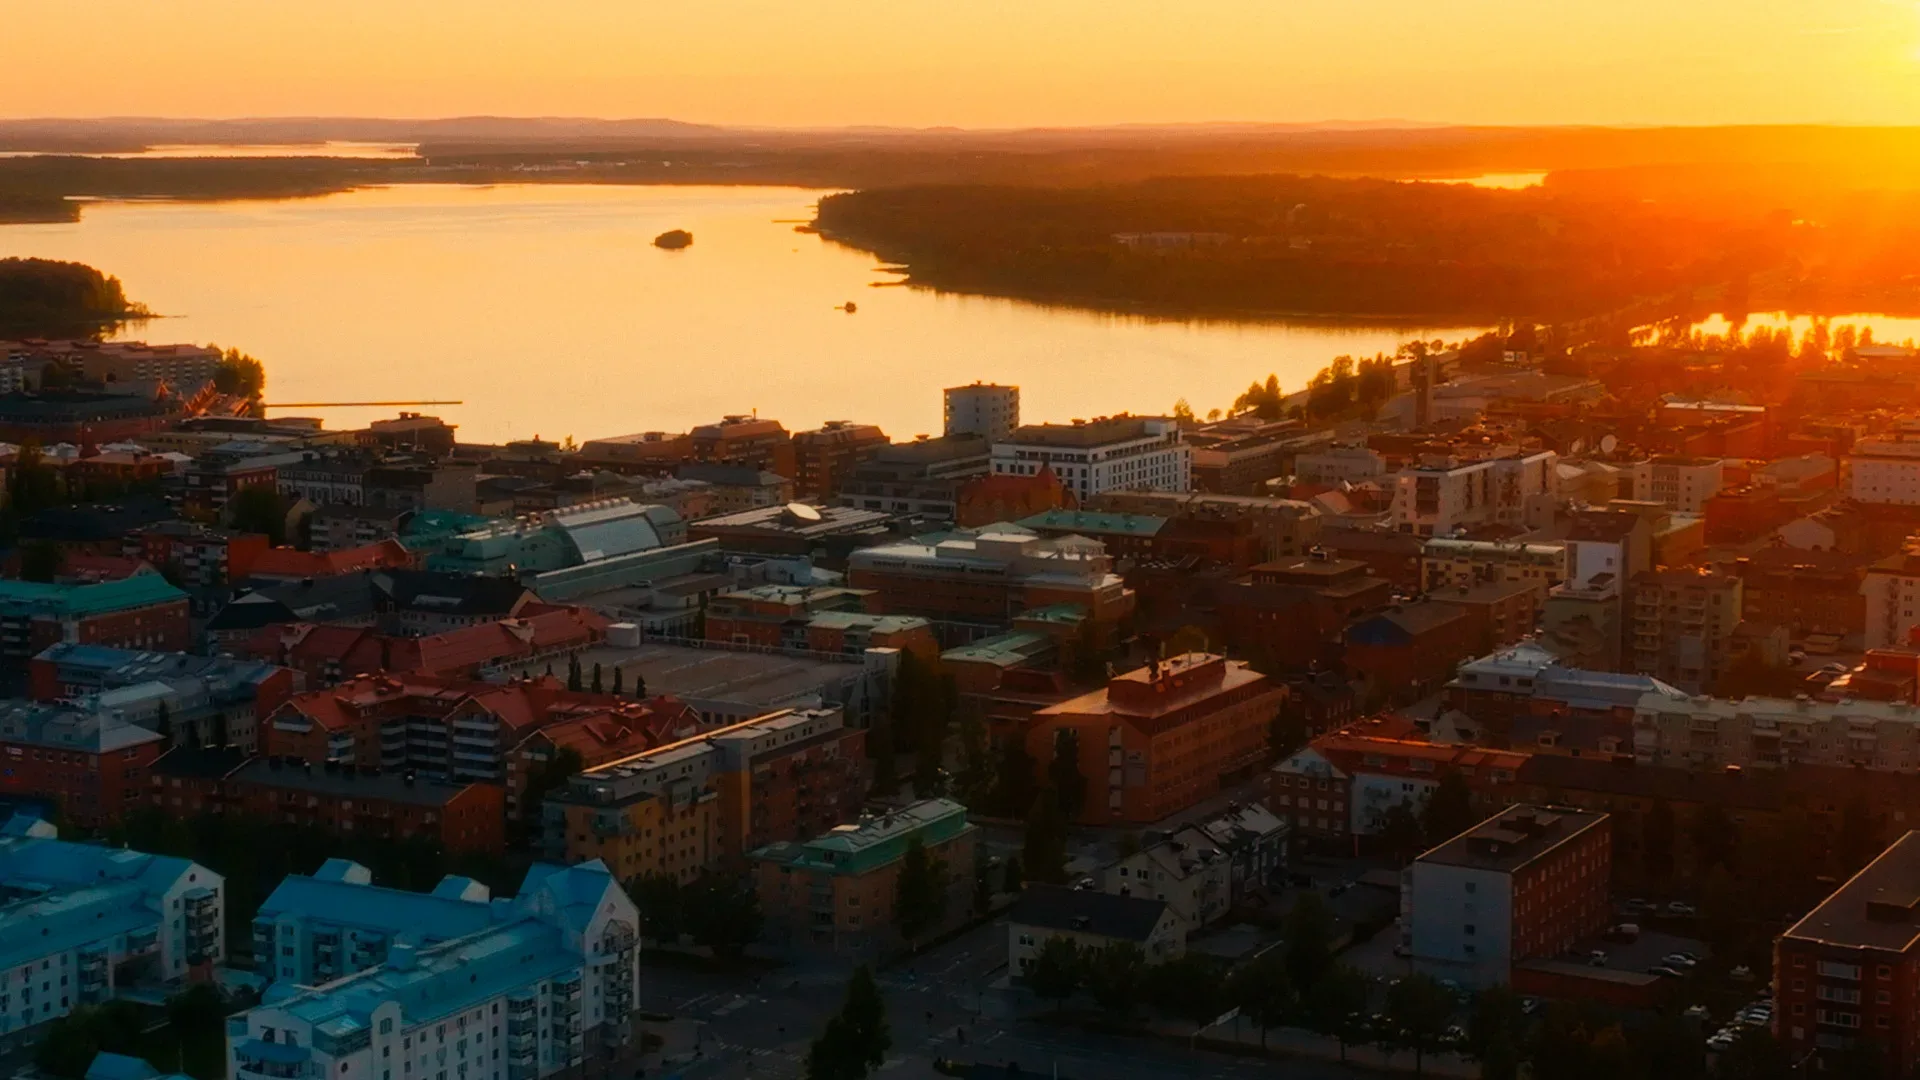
[[1059, 614], [443, 980], [1003, 650], [121, 1067], [41, 598], [860, 620], [1094, 523], [857, 849], [71, 895]]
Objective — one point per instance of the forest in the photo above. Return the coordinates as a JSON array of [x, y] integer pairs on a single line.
[[51, 299]]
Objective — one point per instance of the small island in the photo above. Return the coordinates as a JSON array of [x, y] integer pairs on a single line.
[[673, 239], [47, 298]]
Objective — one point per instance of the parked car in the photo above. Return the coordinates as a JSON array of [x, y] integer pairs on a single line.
[[1720, 1041], [1638, 906], [1681, 908], [1625, 933], [1679, 960], [1742, 973], [1529, 1006], [1696, 1012], [1597, 958], [1665, 972]]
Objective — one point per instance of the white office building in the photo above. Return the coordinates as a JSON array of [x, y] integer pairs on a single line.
[[984, 409], [1120, 453], [1885, 470]]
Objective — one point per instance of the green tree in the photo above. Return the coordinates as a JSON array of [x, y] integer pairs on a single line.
[[33, 485], [1183, 411], [1419, 1008], [856, 1039], [722, 912], [618, 679], [1286, 733], [596, 678], [920, 892], [1189, 987], [1044, 852], [259, 509], [639, 687], [1449, 810], [662, 905], [240, 375], [1493, 1032], [573, 674], [885, 757], [1400, 831], [1115, 976], [1308, 932], [1337, 1007], [1055, 972], [974, 785], [1063, 773], [1657, 833], [163, 722], [1263, 992], [1013, 783], [41, 560], [834, 1054]]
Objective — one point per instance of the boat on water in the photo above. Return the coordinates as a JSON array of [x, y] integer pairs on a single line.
[[849, 307], [673, 239]]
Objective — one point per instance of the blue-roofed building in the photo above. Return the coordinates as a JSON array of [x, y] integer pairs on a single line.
[[107, 1066], [1524, 697], [79, 922], [218, 698], [465, 987], [143, 611]]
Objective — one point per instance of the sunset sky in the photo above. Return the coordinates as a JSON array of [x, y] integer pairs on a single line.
[[972, 62]]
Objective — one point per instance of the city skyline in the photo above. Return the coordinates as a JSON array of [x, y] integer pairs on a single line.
[[1064, 62]]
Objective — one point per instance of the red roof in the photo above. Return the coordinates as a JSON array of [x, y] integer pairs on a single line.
[[291, 563], [348, 651]]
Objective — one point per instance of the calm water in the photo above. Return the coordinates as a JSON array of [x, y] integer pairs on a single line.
[[547, 310]]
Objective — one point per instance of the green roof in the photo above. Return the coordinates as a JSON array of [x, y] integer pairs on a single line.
[[1060, 614], [41, 598], [1094, 523], [1004, 650], [871, 844]]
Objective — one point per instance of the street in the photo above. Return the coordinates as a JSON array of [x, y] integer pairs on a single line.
[[934, 1006]]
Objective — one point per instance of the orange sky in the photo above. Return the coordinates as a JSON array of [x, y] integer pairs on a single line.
[[972, 62]]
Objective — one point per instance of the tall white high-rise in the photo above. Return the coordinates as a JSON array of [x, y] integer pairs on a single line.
[[983, 409]]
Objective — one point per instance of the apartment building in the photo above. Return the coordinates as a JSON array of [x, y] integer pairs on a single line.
[[1282, 528], [92, 764], [1529, 882], [1237, 456], [388, 983], [339, 799], [215, 478], [197, 554], [1443, 494], [144, 611], [987, 410], [1847, 975], [1707, 732], [1344, 784], [921, 478], [835, 892], [1885, 470], [703, 802], [1204, 870], [1090, 920], [1683, 484], [1681, 626], [216, 700], [988, 577], [814, 618], [1118, 453], [1890, 588], [828, 455], [1157, 740], [84, 922], [1455, 564]]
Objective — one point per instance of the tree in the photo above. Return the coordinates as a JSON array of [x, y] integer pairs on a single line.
[[596, 678], [1493, 1032], [1044, 852], [885, 757], [982, 887], [856, 1039], [1286, 733], [41, 560], [1337, 1007], [34, 485], [1657, 832], [662, 905], [1400, 831], [1013, 783], [1115, 976], [573, 674], [163, 722], [974, 785], [1189, 987], [618, 678], [1054, 973], [259, 509], [240, 375], [1263, 992], [1714, 837], [723, 913], [1183, 411], [639, 687], [1449, 810], [920, 892], [1063, 773], [1419, 1008], [1309, 941]]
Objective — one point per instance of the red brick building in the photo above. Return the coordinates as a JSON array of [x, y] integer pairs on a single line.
[[93, 767], [1411, 648], [468, 817], [1159, 739], [984, 500], [198, 554], [825, 457], [1849, 972], [140, 612], [292, 564], [327, 654]]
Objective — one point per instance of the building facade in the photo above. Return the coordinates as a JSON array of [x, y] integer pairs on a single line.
[[984, 409], [1682, 626], [1115, 454]]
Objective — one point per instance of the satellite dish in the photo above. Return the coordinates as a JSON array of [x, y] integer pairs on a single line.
[[1607, 443], [1578, 445], [802, 512]]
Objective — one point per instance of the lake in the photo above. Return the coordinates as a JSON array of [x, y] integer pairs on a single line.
[[546, 310]]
